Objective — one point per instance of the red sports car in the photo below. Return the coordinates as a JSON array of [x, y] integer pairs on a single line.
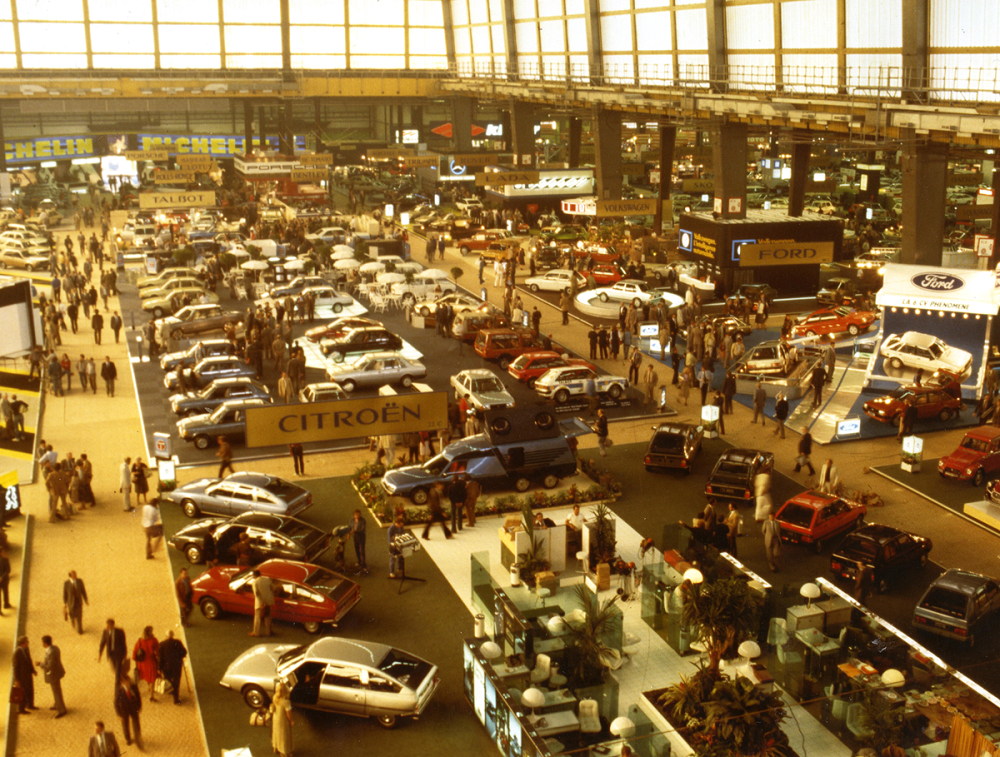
[[531, 365], [605, 274], [814, 518], [304, 593], [834, 320], [338, 327]]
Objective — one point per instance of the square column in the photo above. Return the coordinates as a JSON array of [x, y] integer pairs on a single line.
[[607, 130], [522, 129], [800, 177], [925, 179], [729, 156], [462, 109]]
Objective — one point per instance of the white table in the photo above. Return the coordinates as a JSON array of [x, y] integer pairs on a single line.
[[554, 723]]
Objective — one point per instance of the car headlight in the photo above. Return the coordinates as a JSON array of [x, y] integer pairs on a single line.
[[969, 471], [391, 488]]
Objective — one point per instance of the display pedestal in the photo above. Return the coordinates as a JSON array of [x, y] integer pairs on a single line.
[[910, 467]]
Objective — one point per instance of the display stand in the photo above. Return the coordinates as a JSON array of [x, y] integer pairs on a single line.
[[913, 453]]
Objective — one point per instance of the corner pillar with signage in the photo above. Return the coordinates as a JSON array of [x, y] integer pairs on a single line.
[[800, 177], [925, 181], [462, 111], [522, 130], [729, 157], [668, 138], [607, 131], [575, 137]]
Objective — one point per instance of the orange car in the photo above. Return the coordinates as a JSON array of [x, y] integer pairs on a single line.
[[834, 320], [814, 518]]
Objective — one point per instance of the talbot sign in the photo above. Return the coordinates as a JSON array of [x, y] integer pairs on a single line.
[[937, 282], [154, 200]]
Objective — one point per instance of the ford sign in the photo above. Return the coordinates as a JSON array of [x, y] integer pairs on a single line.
[[938, 282]]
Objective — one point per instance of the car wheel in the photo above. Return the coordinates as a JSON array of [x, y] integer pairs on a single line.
[[896, 419], [504, 362], [896, 363], [550, 481], [603, 296], [424, 311], [531, 382], [406, 382], [210, 608], [637, 302], [853, 330], [193, 553], [923, 559], [533, 288], [658, 277], [945, 414], [158, 312], [312, 626], [464, 249], [882, 586], [562, 396], [255, 697], [545, 420], [522, 484], [349, 386], [202, 441], [614, 391], [337, 357], [190, 508], [419, 496], [386, 721], [337, 308], [979, 478]]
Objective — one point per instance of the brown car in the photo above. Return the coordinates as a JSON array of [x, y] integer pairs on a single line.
[[467, 325], [505, 345], [198, 320], [930, 402]]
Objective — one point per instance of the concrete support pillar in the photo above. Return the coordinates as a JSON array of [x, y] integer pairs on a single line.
[[285, 140], [575, 136], [800, 176], [668, 138], [994, 216], [607, 130], [262, 125], [522, 128], [729, 156], [925, 179], [462, 109], [247, 127]]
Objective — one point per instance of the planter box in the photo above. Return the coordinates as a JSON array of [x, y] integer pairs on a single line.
[[678, 746]]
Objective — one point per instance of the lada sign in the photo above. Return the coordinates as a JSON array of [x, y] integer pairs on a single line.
[[937, 282]]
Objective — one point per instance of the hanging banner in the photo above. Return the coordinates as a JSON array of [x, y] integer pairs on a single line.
[[228, 146], [390, 153], [785, 253], [154, 200], [146, 154], [25, 150], [622, 208], [504, 178], [316, 159], [422, 161], [199, 163], [310, 174], [173, 177], [478, 159]]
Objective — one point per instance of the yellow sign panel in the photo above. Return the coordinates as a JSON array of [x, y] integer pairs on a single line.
[[390, 153], [506, 178], [477, 159], [173, 177], [698, 185], [424, 161], [346, 419], [310, 174], [194, 162], [785, 253], [154, 200], [316, 159], [146, 154], [704, 246], [633, 169], [622, 208]]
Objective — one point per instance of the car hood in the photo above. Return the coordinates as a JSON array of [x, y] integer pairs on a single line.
[[259, 662], [178, 397], [883, 403], [216, 578], [197, 486], [962, 458], [409, 475], [494, 398], [955, 359], [193, 421]]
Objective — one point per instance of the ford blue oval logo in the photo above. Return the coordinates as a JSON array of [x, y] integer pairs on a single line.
[[937, 282]]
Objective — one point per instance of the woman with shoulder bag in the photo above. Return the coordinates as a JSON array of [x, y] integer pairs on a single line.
[[146, 654], [139, 479]]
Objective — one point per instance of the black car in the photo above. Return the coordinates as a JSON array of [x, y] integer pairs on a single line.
[[360, 340], [674, 445], [271, 536], [734, 471], [213, 395], [756, 291], [546, 258], [197, 352], [884, 549], [210, 369], [726, 324]]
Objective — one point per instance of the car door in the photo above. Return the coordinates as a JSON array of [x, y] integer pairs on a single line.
[[342, 690], [242, 500], [220, 499], [831, 519], [991, 460]]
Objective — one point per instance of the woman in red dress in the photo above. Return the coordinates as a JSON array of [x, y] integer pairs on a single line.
[[146, 654]]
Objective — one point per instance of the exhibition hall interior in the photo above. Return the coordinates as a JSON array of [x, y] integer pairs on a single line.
[[546, 377]]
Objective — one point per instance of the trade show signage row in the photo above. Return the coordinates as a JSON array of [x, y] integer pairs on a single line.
[[154, 200], [212, 145]]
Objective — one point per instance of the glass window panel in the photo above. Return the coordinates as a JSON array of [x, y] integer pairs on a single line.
[[253, 39], [652, 31], [526, 34], [316, 40], [119, 60], [499, 65], [608, 6], [190, 61], [496, 10], [186, 11], [641, 4], [616, 33], [253, 61], [750, 27], [373, 40], [554, 66], [429, 62], [882, 70], [481, 40], [966, 76], [7, 37], [498, 43], [426, 41], [196, 38], [574, 7], [307, 12], [876, 23], [8, 61], [527, 66], [809, 24], [459, 12], [549, 8], [802, 72], [463, 44], [579, 67], [692, 30], [619, 68], [655, 69], [382, 13], [5, 14], [133, 38], [692, 68], [576, 35], [251, 11], [752, 72], [48, 60], [964, 24], [426, 13], [688, 2], [524, 8], [119, 10], [553, 36], [478, 12], [377, 61], [67, 38], [43, 10], [319, 61]]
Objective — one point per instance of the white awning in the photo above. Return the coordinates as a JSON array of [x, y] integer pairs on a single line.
[[953, 290]]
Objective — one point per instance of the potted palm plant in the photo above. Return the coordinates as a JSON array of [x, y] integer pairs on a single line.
[[589, 641]]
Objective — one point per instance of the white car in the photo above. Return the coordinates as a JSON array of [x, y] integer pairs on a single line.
[[484, 389], [768, 358], [556, 280], [328, 297], [469, 203], [328, 234], [628, 290], [460, 303], [421, 289], [21, 245], [33, 239], [560, 384], [923, 351]]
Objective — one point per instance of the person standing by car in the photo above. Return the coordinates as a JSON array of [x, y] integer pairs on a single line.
[[358, 535], [185, 594], [772, 541], [472, 491], [601, 429], [906, 420], [650, 381], [263, 601], [805, 450], [281, 721], [456, 495], [780, 413], [436, 510]]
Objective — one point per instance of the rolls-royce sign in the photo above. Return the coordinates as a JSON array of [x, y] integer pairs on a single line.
[[937, 282]]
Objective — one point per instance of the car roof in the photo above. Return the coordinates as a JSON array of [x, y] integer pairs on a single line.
[[876, 532], [351, 651], [269, 521], [227, 380], [249, 478], [325, 386], [918, 338], [989, 433], [674, 428], [286, 570], [814, 499], [740, 455], [962, 581], [478, 373]]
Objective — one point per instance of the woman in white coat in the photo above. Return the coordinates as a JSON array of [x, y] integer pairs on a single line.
[[762, 493]]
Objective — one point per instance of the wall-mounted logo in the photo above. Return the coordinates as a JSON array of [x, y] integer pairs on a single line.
[[456, 170], [938, 282], [684, 240]]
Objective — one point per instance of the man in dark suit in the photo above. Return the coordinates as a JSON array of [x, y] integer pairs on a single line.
[[172, 654], [24, 672], [113, 639], [74, 598], [184, 595], [103, 743], [128, 705], [54, 672]]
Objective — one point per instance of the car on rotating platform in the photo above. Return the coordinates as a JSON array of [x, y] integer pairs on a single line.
[[241, 492], [459, 301], [813, 518], [556, 280], [929, 401], [926, 352], [628, 290], [887, 551], [338, 327], [836, 320], [673, 445]]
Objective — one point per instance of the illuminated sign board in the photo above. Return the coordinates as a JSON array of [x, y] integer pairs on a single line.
[[504, 178], [154, 200], [423, 161], [785, 253], [309, 174], [216, 146], [479, 159], [146, 154], [173, 177], [388, 154], [316, 159], [622, 208], [24, 150]]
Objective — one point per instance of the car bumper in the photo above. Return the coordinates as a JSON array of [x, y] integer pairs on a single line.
[[954, 473]]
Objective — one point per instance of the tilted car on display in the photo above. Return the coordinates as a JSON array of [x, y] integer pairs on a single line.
[[167, 274], [358, 341], [976, 458], [531, 365], [375, 369], [484, 390], [560, 384], [328, 675], [756, 291], [338, 327], [239, 493], [303, 593], [768, 359], [208, 370], [814, 518], [228, 419], [924, 352], [958, 605], [270, 536], [886, 550], [734, 471], [460, 303], [174, 301], [322, 392], [518, 448], [197, 352], [836, 320], [673, 445], [191, 321], [628, 290], [837, 292], [556, 280], [929, 401], [166, 288], [219, 391]]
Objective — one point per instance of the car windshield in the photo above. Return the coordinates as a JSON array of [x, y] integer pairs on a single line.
[[297, 530], [404, 668], [667, 442], [207, 392], [521, 362], [491, 384], [736, 469], [219, 414], [900, 393], [936, 350], [976, 445], [282, 489], [796, 515], [291, 654], [436, 464], [860, 549], [325, 580], [945, 601]]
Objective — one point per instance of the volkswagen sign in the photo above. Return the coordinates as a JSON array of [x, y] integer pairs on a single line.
[[937, 282]]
